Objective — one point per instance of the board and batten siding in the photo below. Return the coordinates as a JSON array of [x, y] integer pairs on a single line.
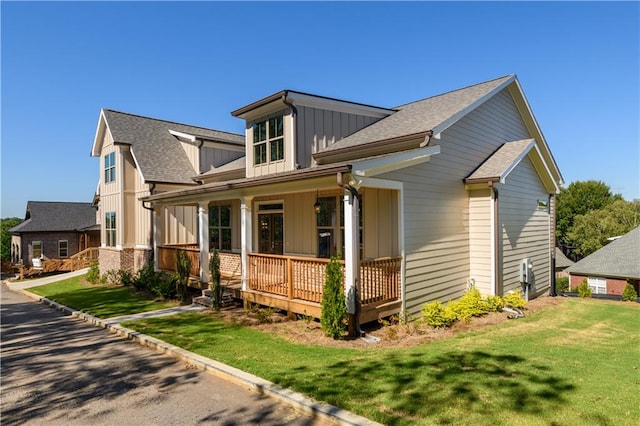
[[318, 128], [524, 228], [480, 235], [109, 192], [436, 203], [215, 157]]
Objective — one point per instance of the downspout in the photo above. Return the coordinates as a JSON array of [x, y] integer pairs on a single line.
[[495, 236], [552, 226], [354, 318], [294, 120], [151, 221]]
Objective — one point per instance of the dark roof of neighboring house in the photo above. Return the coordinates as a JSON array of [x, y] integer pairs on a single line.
[[421, 116], [156, 151], [51, 216], [562, 261], [618, 259]]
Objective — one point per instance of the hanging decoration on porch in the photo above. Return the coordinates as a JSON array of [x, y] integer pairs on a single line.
[[316, 205]]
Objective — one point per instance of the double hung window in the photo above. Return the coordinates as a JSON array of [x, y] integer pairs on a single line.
[[63, 248], [110, 167], [37, 249], [268, 140], [598, 285], [110, 229]]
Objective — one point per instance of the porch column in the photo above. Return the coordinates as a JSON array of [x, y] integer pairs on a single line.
[[155, 220], [351, 250], [245, 236], [203, 239]]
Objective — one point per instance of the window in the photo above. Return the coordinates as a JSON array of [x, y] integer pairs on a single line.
[[37, 249], [330, 225], [110, 229], [268, 140], [110, 167], [598, 285], [63, 248], [220, 227]]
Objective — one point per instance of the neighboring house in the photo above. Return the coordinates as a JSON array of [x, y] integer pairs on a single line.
[[142, 156], [609, 269], [420, 200], [54, 230], [562, 263]]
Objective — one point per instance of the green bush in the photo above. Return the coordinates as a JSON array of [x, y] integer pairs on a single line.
[[583, 289], [183, 266], [164, 286], [146, 278], [125, 277], [629, 294], [562, 284], [471, 305], [495, 303], [437, 315], [514, 299], [334, 307], [93, 276], [216, 288]]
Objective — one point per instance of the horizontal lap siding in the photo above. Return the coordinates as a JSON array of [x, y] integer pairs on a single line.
[[480, 239], [436, 204], [525, 228]]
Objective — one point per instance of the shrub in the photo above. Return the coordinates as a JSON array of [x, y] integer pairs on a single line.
[[334, 307], [183, 266], [216, 288], [93, 276], [629, 294], [437, 315], [146, 278], [125, 277], [471, 305], [164, 286], [583, 289], [514, 299], [562, 284], [494, 303]]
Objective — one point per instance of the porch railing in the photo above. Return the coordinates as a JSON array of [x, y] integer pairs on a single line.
[[168, 257], [303, 278]]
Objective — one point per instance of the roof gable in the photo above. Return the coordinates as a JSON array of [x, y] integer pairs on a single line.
[[617, 259], [47, 216], [154, 145]]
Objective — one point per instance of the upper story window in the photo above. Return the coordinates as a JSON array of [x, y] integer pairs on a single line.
[[110, 167], [268, 141]]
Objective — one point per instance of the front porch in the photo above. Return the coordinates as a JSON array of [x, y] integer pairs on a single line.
[[295, 284]]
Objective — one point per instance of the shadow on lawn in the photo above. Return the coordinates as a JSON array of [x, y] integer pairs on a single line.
[[476, 383]]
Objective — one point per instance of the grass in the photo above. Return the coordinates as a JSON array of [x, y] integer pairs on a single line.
[[574, 364], [102, 301]]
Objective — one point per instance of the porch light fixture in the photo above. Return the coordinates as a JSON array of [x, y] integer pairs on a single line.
[[316, 205]]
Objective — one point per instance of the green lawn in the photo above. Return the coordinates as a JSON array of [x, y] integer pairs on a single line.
[[102, 301], [573, 364]]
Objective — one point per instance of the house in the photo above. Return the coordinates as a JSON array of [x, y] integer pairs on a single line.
[[141, 156], [609, 269], [562, 263], [420, 200], [54, 230]]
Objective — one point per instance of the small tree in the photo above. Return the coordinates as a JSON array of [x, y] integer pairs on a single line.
[[216, 288], [629, 294], [583, 289], [183, 267], [334, 306]]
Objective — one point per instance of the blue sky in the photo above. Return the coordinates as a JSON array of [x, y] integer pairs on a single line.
[[578, 64]]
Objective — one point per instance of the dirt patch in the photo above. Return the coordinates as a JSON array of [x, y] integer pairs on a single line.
[[308, 331]]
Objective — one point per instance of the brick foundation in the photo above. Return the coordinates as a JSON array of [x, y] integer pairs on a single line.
[[128, 258]]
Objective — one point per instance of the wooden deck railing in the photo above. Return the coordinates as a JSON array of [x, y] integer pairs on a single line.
[[303, 278], [84, 258], [168, 257]]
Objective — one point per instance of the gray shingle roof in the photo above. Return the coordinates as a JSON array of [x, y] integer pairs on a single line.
[[620, 258], [420, 116], [158, 153], [501, 162], [562, 261], [48, 216]]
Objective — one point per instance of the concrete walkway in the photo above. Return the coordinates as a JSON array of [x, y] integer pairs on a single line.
[[330, 413]]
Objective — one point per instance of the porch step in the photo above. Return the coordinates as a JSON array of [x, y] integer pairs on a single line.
[[207, 300]]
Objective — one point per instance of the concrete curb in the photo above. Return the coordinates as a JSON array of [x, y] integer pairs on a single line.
[[297, 401]]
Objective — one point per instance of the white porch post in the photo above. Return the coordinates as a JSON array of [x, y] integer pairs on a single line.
[[156, 218], [352, 250], [203, 240], [245, 236]]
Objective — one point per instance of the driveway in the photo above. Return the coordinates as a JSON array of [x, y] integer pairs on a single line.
[[58, 370]]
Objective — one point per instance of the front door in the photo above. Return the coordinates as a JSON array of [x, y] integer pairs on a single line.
[[271, 239]]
